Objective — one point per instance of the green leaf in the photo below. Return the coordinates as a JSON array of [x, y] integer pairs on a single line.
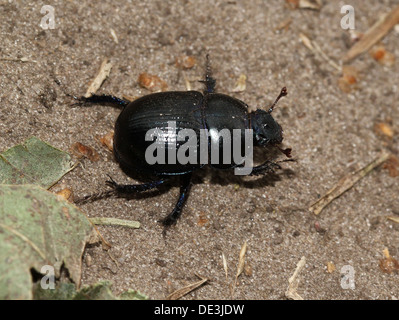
[[63, 291], [37, 228], [132, 295], [33, 162], [98, 291]]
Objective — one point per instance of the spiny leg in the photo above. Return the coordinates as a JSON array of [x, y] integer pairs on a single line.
[[266, 167], [127, 189], [120, 190], [102, 99], [172, 217]]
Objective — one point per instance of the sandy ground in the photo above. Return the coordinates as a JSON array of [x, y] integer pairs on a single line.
[[331, 133]]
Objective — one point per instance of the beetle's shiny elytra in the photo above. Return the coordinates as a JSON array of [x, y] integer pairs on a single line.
[[190, 110]]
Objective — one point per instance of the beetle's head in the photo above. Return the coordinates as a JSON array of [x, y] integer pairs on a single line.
[[267, 132]]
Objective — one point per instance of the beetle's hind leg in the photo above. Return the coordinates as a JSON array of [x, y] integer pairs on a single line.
[[127, 189], [102, 99], [185, 187], [119, 190]]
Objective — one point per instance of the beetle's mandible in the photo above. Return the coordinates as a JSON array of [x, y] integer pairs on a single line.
[[193, 110]]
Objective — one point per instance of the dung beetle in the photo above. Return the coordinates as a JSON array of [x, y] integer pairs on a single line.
[[190, 110]]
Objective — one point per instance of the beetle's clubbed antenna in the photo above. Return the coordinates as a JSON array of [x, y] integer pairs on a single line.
[[283, 93], [209, 81]]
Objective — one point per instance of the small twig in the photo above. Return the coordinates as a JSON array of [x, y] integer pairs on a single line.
[[96, 235], [103, 221], [114, 36], [240, 267], [312, 5], [294, 281], [187, 289], [393, 218], [315, 48], [103, 74], [187, 82], [23, 59], [225, 266], [241, 260], [374, 34], [113, 259], [346, 183]]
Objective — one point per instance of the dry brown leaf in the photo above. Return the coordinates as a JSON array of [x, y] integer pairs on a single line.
[[388, 264], [384, 57], [248, 269], [80, 150], [293, 4], [349, 79], [65, 194], [152, 82], [284, 25], [383, 129], [241, 84], [392, 165], [186, 62], [202, 220], [108, 140], [330, 267], [129, 97]]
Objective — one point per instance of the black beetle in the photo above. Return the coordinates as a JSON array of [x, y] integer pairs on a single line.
[[189, 110]]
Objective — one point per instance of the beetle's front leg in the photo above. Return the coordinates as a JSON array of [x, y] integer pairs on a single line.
[[267, 167], [172, 217]]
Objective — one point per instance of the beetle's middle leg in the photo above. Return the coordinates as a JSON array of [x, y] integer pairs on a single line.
[[102, 99], [172, 217]]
